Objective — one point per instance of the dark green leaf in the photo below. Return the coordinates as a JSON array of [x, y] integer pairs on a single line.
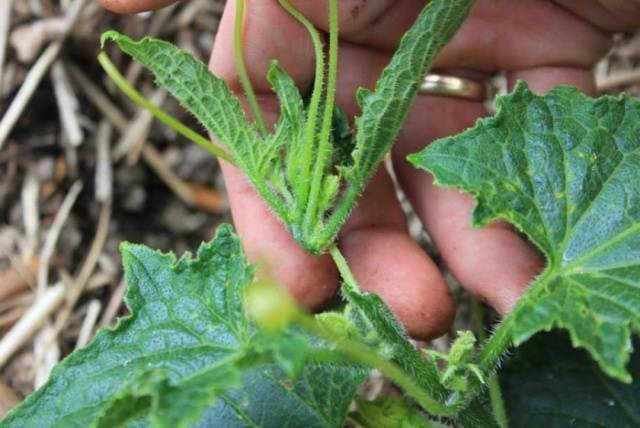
[[319, 397], [186, 342], [564, 169], [550, 384]]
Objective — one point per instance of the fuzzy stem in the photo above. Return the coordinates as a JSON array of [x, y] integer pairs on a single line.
[[304, 182], [245, 81], [343, 267], [495, 392], [312, 216], [164, 117], [368, 357]]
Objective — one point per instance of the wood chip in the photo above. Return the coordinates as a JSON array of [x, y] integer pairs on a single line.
[[28, 40], [18, 278], [617, 80], [5, 19], [33, 319], [8, 399], [89, 323], [46, 354], [68, 105], [113, 307], [53, 234], [104, 169], [34, 77], [30, 213]]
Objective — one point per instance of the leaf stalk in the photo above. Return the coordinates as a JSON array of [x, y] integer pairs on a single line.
[[121, 82], [243, 75]]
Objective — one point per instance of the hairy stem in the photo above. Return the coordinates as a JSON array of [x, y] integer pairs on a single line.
[[304, 183], [368, 357], [495, 392], [164, 117], [312, 216], [245, 81]]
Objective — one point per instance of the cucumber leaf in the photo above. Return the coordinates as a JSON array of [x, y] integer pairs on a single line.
[[549, 383], [564, 169], [187, 343]]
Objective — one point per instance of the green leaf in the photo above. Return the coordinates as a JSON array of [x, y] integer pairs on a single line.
[[207, 97], [386, 108], [187, 342], [319, 397], [548, 383], [563, 168]]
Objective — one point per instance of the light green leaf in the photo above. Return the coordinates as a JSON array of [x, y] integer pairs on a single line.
[[379, 328], [385, 109], [186, 343], [207, 97], [547, 383], [564, 169]]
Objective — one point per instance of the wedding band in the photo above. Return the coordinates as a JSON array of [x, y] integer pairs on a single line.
[[457, 87]]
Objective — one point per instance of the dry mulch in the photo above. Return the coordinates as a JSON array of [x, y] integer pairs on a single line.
[[82, 169]]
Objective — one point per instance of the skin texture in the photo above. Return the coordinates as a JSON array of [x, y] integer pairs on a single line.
[[543, 42]]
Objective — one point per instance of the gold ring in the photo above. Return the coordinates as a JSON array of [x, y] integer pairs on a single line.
[[457, 87]]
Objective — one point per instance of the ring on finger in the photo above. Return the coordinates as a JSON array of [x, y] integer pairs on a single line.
[[445, 85]]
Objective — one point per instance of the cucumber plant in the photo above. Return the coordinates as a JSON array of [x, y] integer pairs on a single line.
[[206, 344]]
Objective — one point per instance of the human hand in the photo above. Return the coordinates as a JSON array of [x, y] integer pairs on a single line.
[[539, 41]]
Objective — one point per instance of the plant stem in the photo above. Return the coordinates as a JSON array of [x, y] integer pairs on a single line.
[[304, 182], [324, 142], [157, 112], [495, 392], [238, 50], [368, 357], [343, 267]]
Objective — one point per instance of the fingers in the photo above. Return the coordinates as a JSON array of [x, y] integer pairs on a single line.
[[269, 33], [411, 284], [499, 34], [543, 79], [610, 15], [311, 280], [134, 6], [493, 263], [387, 262]]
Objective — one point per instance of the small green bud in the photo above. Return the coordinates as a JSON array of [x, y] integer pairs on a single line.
[[270, 306]]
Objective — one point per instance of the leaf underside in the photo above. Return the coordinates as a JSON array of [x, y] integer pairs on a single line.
[[564, 169], [570, 392], [186, 343]]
